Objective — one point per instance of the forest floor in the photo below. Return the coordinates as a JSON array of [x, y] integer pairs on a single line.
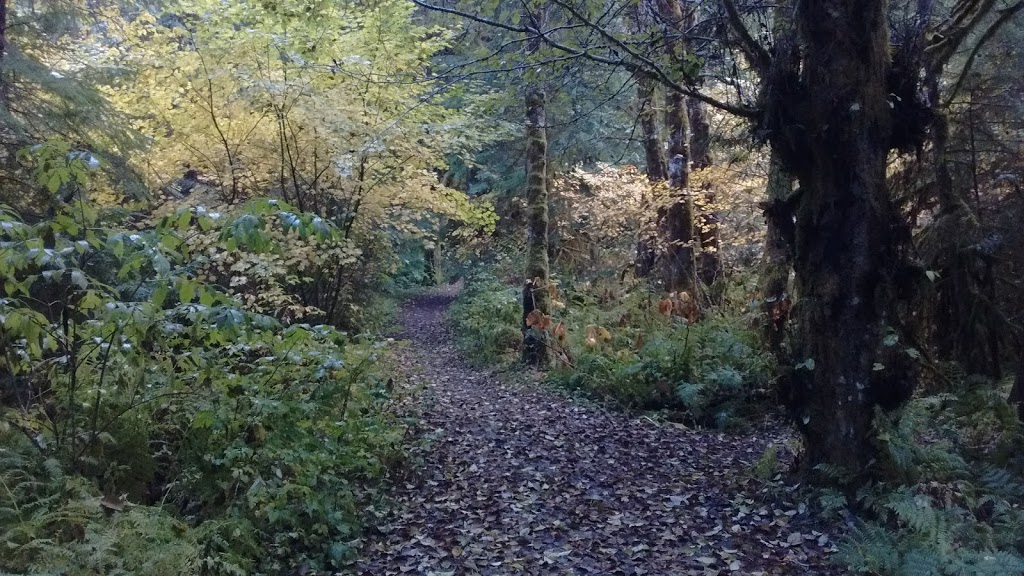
[[517, 479]]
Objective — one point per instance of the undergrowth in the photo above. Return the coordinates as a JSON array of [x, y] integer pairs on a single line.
[[952, 501], [153, 423], [620, 348], [486, 317]]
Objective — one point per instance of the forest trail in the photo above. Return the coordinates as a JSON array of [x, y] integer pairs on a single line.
[[520, 480]]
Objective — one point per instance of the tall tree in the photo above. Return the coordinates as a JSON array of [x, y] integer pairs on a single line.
[[848, 240], [709, 261], [647, 118], [832, 115], [677, 219], [535, 289]]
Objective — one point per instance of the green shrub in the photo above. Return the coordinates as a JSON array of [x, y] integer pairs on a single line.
[[152, 424], [486, 317], [714, 370], [52, 522]]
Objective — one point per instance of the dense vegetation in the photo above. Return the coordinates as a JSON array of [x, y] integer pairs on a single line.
[[712, 214]]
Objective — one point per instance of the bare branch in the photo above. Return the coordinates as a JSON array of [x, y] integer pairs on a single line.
[[950, 37], [636, 63], [1005, 16], [759, 57]]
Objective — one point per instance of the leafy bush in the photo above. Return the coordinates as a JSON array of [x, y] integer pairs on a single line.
[[154, 423], [53, 522]]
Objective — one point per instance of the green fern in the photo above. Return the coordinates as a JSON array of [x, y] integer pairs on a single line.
[[913, 510]]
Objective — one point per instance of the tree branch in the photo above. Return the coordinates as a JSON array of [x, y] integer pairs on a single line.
[[752, 49], [950, 37], [1004, 17], [641, 65]]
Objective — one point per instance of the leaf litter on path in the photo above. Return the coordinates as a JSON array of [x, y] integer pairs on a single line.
[[520, 480]]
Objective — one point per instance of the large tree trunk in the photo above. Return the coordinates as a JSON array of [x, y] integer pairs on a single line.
[[847, 236], [646, 252]]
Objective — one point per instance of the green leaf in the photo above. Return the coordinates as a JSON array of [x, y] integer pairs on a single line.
[[53, 184], [186, 291], [184, 221], [206, 296], [161, 264], [159, 295], [78, 279]]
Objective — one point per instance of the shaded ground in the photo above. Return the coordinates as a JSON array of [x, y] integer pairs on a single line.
[[519, 480]]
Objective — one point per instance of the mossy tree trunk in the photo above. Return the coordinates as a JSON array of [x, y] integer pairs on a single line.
[[848, 239], [1016, 398], [648, 119], [656, 171], [535, 288], [677, 219], [709, 261], [778, 255], [4, 91]]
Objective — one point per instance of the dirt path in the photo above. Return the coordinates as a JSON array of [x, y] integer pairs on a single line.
[[518, 480]]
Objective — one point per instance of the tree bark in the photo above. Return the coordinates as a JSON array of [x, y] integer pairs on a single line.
[[700, 135], [709, 261], [1016, 398], [677, 220], [535, 290], [648, 119], [847, 239], [4, 89], [646, 253], [778, 256]]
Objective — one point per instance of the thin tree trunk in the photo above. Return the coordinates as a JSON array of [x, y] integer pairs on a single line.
[[778, 255], [1016, 398], [848, 239], [648, 119], [677, 219], [656, 171], [709, 261], [535, 289]]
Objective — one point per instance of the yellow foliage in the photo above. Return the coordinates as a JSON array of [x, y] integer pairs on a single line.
[[321, 104]]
